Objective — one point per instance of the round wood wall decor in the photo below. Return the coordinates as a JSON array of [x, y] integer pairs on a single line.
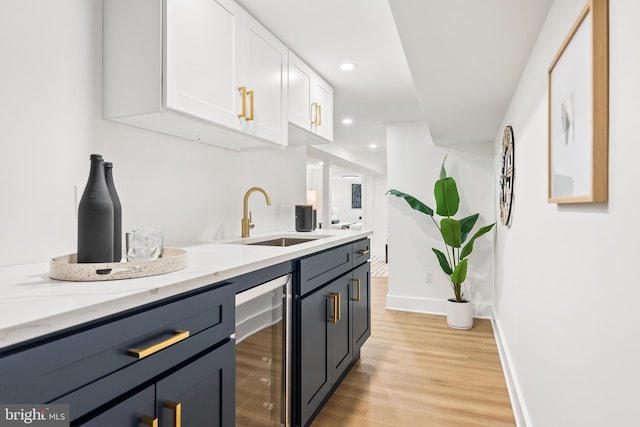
[[506, 176]]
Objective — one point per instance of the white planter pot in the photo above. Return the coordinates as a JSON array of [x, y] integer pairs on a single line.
[[459, 314]]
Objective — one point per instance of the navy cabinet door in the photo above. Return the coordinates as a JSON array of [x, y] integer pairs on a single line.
[[204, 389], [200, 394], [325, 339], [340, 343], [128, 413], [361, 301], [315, 376]]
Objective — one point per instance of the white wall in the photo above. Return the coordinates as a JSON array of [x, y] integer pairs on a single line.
[[314, 182], [413, 167], [566, 286], [375, 215], [50, 105]]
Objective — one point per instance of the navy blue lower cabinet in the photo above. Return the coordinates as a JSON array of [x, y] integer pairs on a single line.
[[326, 347], [202, 393], [120, 370], [334, 322], [314, 365], [361, 306], [199, 394]]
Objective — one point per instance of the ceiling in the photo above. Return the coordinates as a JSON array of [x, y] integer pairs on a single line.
[[454, 63]]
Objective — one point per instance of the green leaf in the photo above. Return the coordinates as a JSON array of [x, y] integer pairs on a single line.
[[413, 202], [468, 248], [466, 225], [450, 230], [444, 264], [447, 199], [460, 272], [443, 171]]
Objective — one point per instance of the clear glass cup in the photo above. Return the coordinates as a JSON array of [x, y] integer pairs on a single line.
[[144, 243]]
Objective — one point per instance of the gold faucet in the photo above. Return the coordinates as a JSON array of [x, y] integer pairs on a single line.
[[246, 214]]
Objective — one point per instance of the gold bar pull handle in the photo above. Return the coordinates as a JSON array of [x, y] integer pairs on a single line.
[[251, 97], [243, 94], [339, 307], [357, 299], [336, 313], [149, 421], [319, 114], [363, 252], [142, 353], [176, 412], [314, 108]]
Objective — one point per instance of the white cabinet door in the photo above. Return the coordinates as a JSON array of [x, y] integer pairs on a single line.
[[323, 116], [310, 102], [201, 65], [265, 78], [300, 86]]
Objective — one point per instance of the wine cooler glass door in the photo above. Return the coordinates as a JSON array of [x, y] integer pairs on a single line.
[[262, 373]]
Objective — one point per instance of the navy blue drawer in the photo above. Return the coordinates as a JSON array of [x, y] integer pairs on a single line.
[[50, 369], [316, 270], [361, 251]]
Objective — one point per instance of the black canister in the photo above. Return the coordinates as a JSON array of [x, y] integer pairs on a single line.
[[117, 212], [304, 217], [95, 217]]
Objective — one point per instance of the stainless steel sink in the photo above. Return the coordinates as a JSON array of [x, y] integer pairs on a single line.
[[282, 241], [279, 240]]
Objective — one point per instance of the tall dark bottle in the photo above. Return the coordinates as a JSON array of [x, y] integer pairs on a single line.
[[117, 212], [95, 217]]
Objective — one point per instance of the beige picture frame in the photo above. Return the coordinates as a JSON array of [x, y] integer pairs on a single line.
[[578, 122]]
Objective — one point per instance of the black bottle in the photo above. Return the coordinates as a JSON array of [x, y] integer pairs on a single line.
[[95, 217], [117, 212]]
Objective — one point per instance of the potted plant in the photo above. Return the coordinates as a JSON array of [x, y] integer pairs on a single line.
[[454, 232]]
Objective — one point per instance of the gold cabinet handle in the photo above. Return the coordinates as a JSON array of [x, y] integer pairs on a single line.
[[319, 114], [251, 96], [314, 107], [176, 411], [363, 252], [336, 312], [149, 421], [243, 94], [339, 309], [357, 299], [142, 353]]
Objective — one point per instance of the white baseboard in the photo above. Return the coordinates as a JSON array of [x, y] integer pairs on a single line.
[[432, 306], [518, 406]]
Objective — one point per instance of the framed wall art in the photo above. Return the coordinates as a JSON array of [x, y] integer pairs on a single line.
[[579, 111], [356, 196]]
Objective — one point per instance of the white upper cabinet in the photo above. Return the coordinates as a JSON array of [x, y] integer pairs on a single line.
[[200, 69], [322, 109], [310, 104], [265, 79]]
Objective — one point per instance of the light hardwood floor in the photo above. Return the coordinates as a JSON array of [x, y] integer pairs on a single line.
[[416, 371]]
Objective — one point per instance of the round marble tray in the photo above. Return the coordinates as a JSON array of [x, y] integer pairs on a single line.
[[66, 267]]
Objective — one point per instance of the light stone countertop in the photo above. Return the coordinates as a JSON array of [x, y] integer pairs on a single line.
[[32, 304]]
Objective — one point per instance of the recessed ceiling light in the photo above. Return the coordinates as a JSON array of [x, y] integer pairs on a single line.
[[347, 66], [373, 145], [347, 121]]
